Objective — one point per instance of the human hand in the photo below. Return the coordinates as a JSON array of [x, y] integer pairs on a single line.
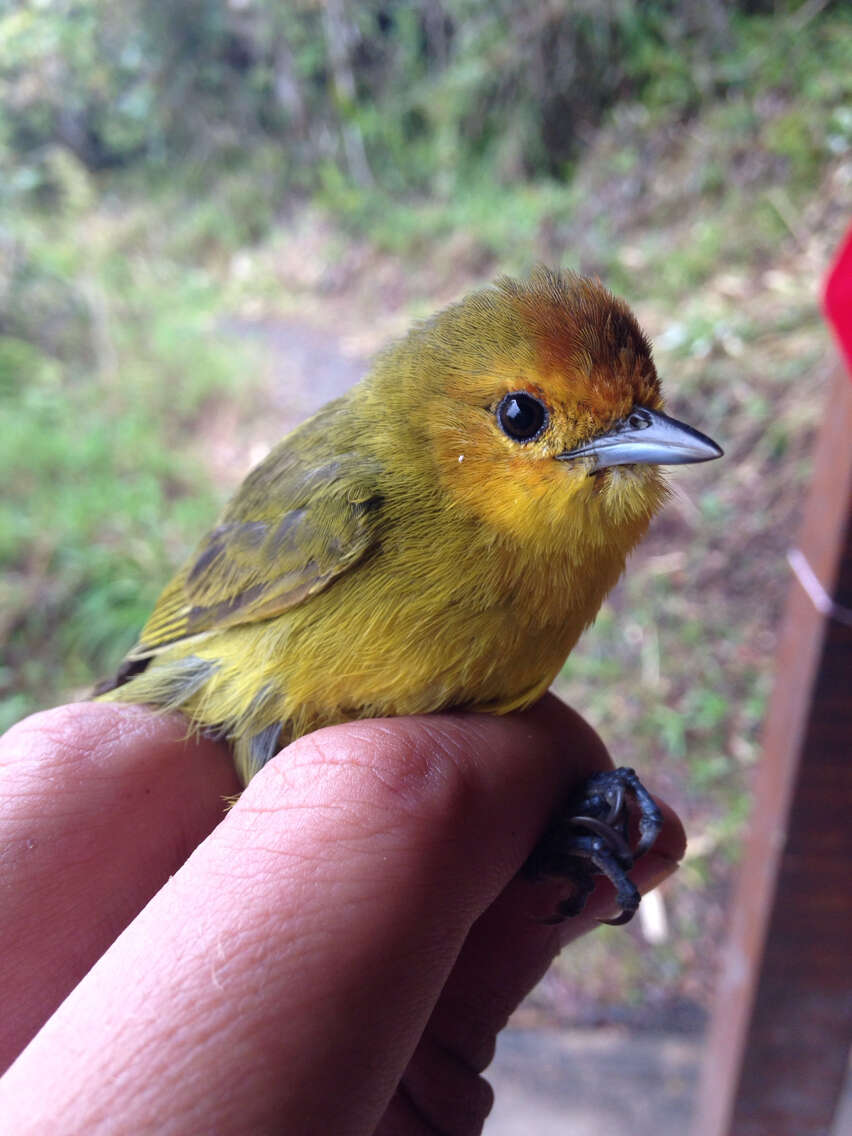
[[335, 954]]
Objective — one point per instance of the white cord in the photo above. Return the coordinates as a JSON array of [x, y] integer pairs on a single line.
[[814, 590]]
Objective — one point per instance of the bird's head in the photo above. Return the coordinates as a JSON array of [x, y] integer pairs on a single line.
[[540, 408]]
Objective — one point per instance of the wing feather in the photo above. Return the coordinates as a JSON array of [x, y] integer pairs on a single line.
[[272, 550]]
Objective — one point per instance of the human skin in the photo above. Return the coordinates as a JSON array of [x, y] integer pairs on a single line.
[[336, 953]]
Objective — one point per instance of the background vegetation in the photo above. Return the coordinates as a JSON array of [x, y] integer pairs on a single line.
[[211, 212]]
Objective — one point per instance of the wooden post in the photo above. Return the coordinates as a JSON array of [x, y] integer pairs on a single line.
[[782, 1024]]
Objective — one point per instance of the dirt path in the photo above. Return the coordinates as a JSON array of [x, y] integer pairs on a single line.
[[302, 367], [306, 367]]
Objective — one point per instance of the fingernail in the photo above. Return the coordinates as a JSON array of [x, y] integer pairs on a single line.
[[652, 869]]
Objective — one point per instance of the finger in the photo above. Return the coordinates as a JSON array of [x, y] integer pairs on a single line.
[[292, 964], [508, 951], [100, 804]]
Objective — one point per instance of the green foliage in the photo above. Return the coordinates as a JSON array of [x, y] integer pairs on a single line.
[[422, 97], [75, 72], [101, 489]]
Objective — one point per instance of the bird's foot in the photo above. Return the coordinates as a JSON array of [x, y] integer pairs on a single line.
[[592, 837]]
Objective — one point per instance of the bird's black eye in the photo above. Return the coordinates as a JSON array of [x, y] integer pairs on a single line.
[[521, 416]]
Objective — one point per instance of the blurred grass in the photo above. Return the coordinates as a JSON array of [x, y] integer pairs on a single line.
[[109, 360]]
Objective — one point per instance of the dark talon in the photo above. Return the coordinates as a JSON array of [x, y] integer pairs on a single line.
[[593, 838], [616, 805], [606, 832], [619, 920]]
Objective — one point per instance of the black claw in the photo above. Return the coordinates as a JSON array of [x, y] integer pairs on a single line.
[[610, 835], [592, 837], [619, 920]]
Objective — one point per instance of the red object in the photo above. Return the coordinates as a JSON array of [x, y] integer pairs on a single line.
[[838, 298]]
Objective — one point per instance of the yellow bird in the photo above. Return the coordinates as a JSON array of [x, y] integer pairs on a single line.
[[438, 537]]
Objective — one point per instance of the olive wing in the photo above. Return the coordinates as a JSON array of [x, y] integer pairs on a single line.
[[272, 550]]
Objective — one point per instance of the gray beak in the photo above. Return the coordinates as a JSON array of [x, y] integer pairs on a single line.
[[646, 437]]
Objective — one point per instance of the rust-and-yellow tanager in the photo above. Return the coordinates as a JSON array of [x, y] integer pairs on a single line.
[[438, 537]]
